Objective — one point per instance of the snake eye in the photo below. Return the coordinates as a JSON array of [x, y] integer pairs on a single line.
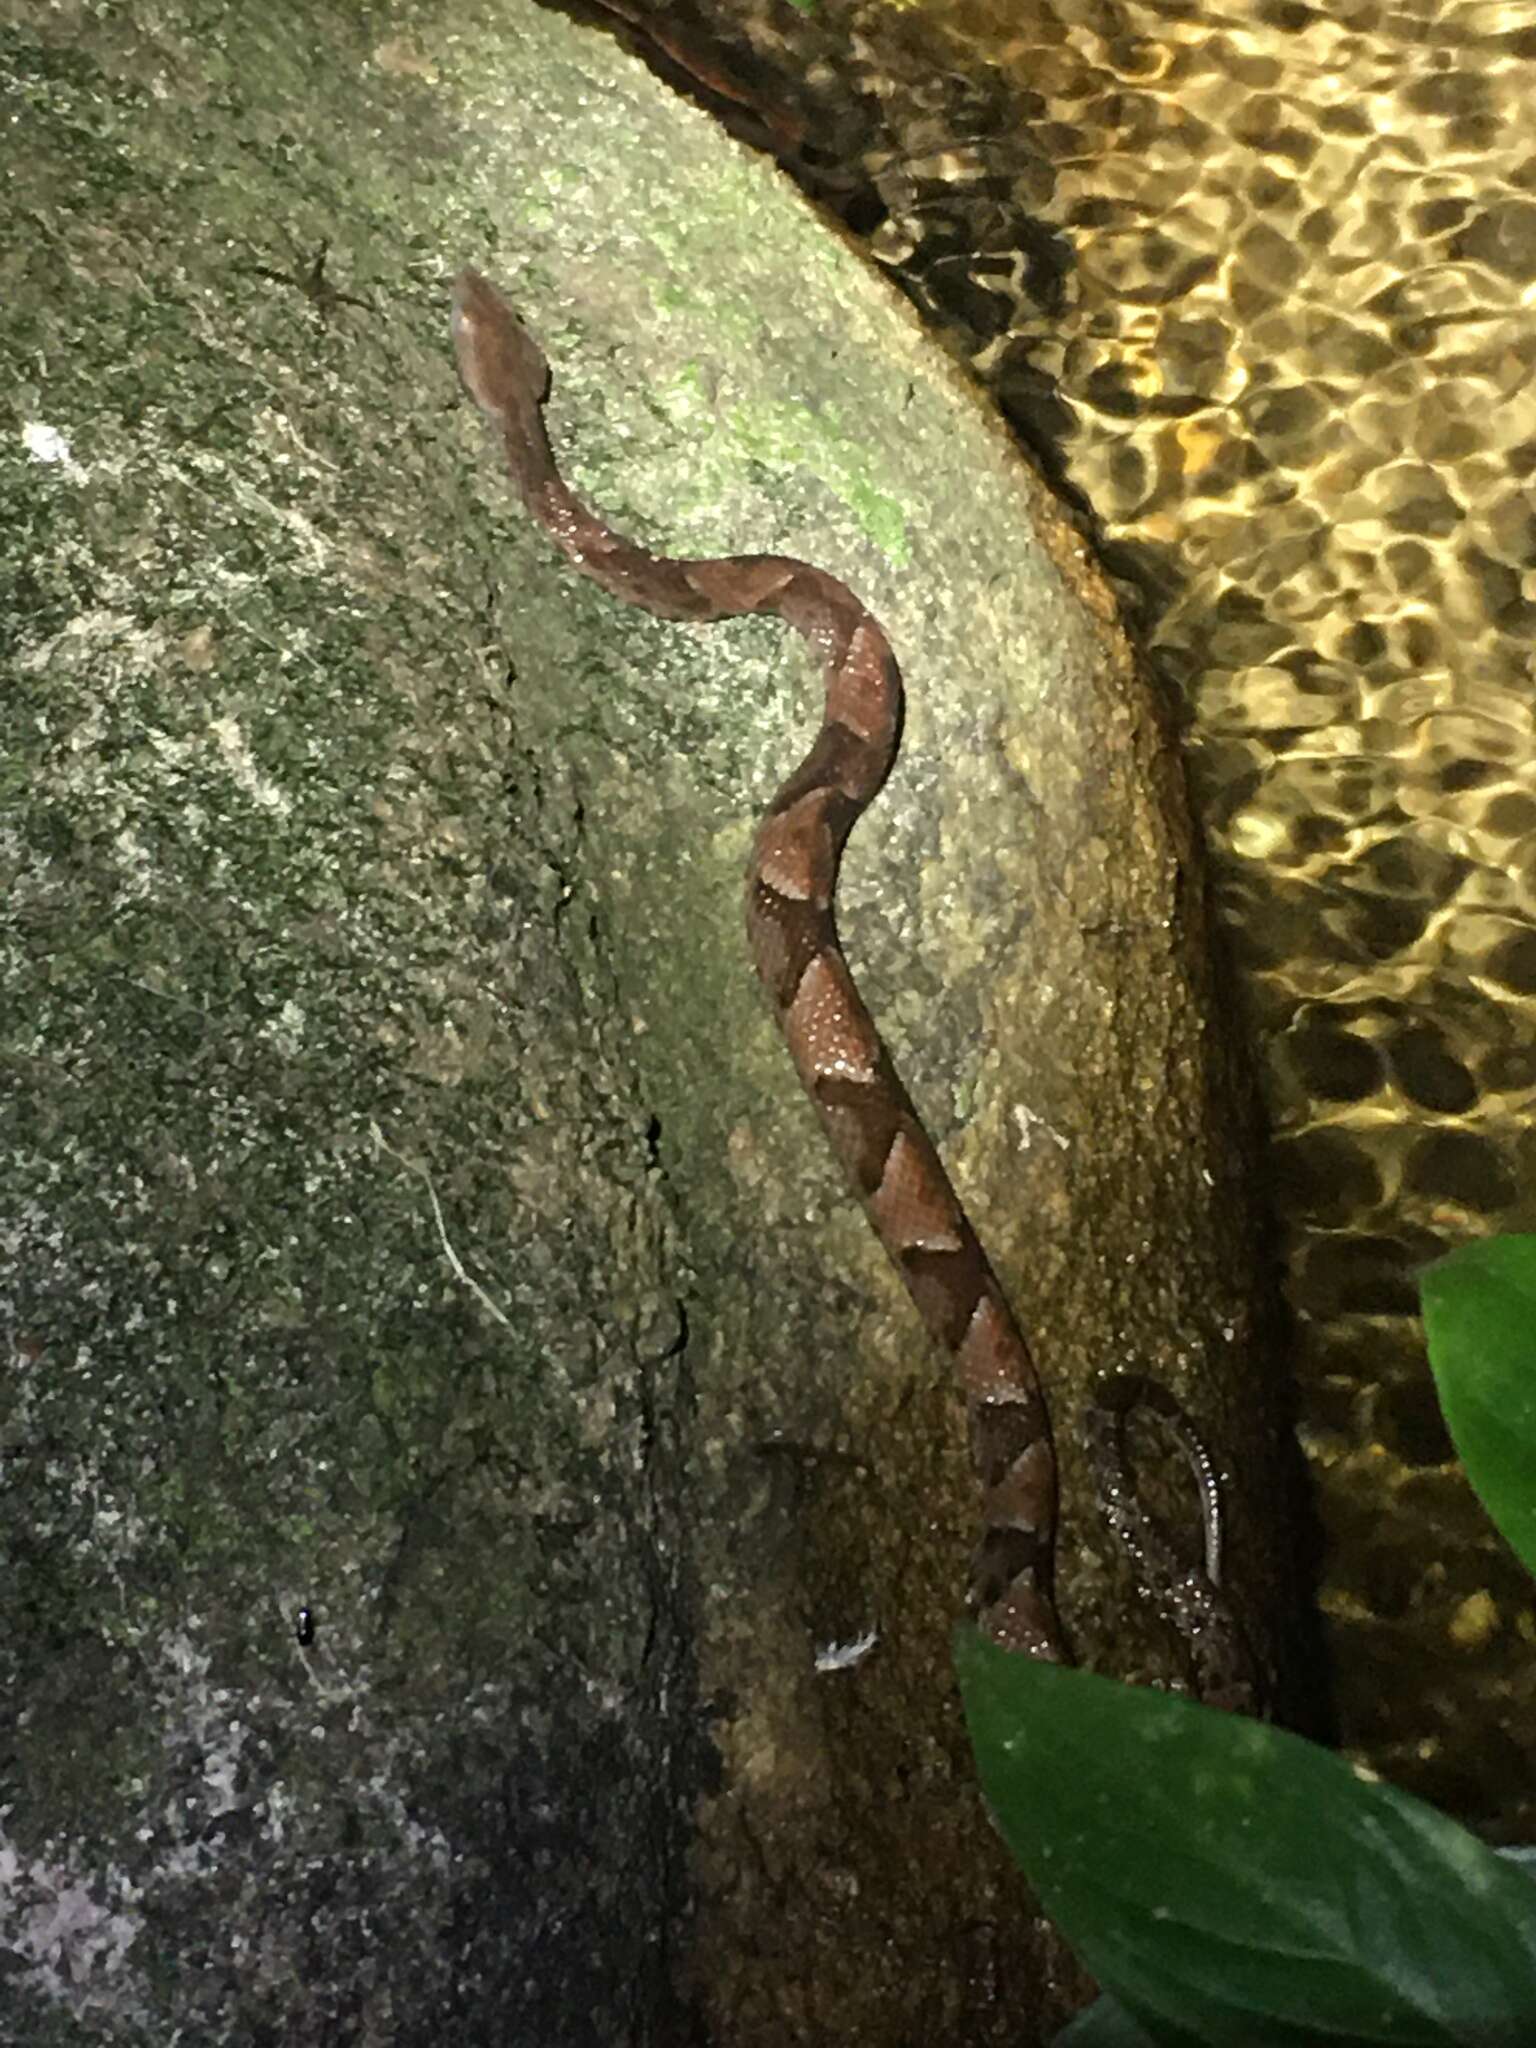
[[304, 1627]]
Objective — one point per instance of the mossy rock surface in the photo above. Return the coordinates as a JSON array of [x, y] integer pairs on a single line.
[[409, 1213]]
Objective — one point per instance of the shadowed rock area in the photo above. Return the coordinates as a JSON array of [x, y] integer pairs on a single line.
[[410, 1214]]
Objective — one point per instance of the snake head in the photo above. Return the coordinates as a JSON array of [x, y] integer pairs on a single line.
[[503, 368]]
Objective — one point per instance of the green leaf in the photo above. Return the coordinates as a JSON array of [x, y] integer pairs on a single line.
[[1236, 1885], [1480, 1318]]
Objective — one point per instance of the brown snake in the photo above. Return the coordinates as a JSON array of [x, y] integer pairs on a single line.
[[866, 1112]]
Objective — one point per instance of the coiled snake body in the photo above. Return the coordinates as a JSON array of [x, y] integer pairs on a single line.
[[842, 1062]]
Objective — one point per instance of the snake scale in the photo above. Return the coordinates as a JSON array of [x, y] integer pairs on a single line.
[[842, 1062]]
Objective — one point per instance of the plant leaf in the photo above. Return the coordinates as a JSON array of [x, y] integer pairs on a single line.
[[1230, 1881], [1480, 1319]]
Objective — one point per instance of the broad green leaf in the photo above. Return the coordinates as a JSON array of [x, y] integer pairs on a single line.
[[1241, 1886], [1480, 1319]]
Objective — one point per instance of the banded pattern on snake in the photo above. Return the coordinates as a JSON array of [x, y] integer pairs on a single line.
[[842, 1062]]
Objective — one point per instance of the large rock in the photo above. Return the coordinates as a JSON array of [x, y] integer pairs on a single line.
[[410, 1214]]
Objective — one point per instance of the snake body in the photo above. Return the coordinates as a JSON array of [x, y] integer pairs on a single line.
[[837, 1050]]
